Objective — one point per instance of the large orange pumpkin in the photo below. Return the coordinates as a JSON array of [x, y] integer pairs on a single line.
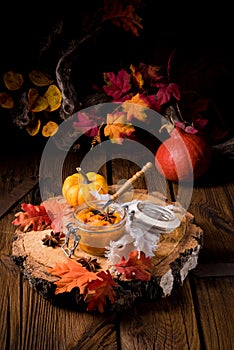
[[77, 187], [183, 156]]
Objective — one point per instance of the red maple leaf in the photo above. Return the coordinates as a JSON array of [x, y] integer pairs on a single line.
[[34, 218], [135, 267], [167, 91], [118, 84], [100, 289]]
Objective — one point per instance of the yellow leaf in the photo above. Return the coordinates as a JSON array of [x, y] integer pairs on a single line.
[[36, 102], [6, 101], [34, 128], [13, 80], [39, 78], [54, 98], [137, 76], [135, 108], [117, 132], [49, 129]]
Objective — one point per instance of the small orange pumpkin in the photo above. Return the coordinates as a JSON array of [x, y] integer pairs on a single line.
[[77, 188]]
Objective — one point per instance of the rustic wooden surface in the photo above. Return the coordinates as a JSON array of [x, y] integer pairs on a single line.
[[176, 254], [197, 315]]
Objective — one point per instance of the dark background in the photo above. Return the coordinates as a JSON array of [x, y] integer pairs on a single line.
[[25, 31]]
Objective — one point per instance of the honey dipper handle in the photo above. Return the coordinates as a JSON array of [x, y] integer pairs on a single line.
[[130, 181]]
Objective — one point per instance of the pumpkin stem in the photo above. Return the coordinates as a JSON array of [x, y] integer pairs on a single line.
[[86, 180]]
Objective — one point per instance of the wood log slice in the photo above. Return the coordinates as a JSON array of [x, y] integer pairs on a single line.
[[176, 254]]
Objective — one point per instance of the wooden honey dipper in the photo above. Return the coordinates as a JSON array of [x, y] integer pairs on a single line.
[[128, 184]]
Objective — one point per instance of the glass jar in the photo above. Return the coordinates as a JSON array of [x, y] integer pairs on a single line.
[[97, 234]]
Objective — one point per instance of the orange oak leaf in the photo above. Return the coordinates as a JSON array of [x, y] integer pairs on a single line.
[[118, 84], [72, 274], [135, 267], [34, 217], [100, 289], [122, 15]]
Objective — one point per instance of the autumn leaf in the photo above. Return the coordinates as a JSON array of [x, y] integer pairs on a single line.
[[150, 74], [101, 289], [87, 123], [39, 78], [72, 274], [135, 108], [54, 98], [121, 15], [137, 77], [118, 84], [6, 101], [116, 128], [50, 129], [57, 211], [135, 267], [187, 128], [36, 102], [13, 80], [166, 92], [34, 218], [195, 108], [34, 127]]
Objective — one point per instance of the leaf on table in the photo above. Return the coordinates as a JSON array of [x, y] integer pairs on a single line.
[[72, 274], [136, 267], [57, 210], [117, 84], [122, 15], [34, 217], [101, 289]]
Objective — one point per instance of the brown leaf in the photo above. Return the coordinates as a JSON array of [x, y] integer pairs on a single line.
[[122, 15]]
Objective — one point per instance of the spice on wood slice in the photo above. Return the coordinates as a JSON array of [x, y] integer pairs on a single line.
[[176, 255]]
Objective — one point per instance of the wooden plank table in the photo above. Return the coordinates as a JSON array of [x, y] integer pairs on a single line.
[[197, 315]]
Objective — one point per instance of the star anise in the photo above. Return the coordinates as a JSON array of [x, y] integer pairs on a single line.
[[89, 263], [51, 240], [105, 215]]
